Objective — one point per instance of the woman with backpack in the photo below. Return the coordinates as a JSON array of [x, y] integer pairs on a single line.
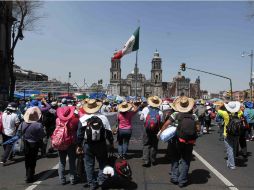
[[124, 127], [66, 127], [32, 133]]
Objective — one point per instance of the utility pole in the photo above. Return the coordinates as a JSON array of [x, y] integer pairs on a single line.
[[251, 68]]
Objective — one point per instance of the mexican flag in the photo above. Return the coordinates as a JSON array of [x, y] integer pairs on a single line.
[[131, 45]]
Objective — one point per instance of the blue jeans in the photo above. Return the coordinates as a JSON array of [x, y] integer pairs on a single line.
[[71, 152], [124, 136], [7, 148], [92, 151], [231, 143], [181, 158]]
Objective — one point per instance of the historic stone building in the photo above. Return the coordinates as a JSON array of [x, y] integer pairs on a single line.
[[137, 84], [181, 85]]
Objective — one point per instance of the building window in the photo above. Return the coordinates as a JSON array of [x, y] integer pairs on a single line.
[[114, 76]]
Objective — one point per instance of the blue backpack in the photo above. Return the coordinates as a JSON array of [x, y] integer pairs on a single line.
[[219, 119], [249, 115], [153, 120]]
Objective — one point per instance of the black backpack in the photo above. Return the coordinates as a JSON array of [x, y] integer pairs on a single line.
[[234, 126], [186, 126], [95, 131], [207, 116]]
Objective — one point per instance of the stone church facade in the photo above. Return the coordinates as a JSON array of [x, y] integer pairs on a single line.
[[137, 84]]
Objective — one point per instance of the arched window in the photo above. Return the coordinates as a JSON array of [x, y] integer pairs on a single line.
[[114, 76]]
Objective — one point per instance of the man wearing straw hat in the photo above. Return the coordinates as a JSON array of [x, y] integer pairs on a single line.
[[183, 143], [94, 147], [153, 118]]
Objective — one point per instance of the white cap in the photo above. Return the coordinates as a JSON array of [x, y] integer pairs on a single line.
[[108, 170]]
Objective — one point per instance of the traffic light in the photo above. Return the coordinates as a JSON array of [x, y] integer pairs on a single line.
[[182, 67], [229, 93]]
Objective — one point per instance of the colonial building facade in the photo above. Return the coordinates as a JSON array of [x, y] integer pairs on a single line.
[[137, 84]]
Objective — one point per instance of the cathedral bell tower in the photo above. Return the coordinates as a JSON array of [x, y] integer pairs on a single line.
[[156, 71], [115, 70]]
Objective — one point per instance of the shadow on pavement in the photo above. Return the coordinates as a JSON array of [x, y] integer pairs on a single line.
[[199, 176], [163, 160], [134, 154], [41, 174], [15, 161], [119, 183]]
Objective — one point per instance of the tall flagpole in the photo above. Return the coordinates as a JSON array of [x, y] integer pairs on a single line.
[[136, 68], [136, 73]]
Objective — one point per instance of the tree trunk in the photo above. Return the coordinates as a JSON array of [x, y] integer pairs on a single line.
[[13, 79]]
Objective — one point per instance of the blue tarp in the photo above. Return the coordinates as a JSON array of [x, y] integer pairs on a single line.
[[28, 93], [98, 95]]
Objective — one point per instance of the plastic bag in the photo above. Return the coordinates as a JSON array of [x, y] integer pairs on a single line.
[[168, 134]]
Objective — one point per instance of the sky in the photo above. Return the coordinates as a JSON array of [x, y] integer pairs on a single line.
[[80, 37]]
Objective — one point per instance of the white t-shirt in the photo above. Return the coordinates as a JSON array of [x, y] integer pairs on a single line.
[[9, 123], [104, 119], [105, 109], [164, 107], [144, 113]]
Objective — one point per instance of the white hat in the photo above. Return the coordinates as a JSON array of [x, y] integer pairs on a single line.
[[108, 170], [32, 114], [12, 106], [233, 106], [208, 107]]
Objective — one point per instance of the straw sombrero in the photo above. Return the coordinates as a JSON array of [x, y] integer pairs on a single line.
[[154, 101], [172, 105], [124, 107], [184, 104], [233, 106], [32, 114], [92, 106]]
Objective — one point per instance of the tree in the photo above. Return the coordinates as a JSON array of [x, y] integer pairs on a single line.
[[25, 16]]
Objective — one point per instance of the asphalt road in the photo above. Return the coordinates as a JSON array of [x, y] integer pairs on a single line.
[[156, 177]]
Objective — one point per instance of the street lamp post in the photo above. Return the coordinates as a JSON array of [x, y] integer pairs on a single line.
[[251, 66], [69, 76]]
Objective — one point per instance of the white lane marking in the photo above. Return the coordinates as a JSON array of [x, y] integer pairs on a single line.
[[230, 185], [45, 176]]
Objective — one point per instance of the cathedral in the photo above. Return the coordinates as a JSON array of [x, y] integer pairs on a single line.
[[137, 84]]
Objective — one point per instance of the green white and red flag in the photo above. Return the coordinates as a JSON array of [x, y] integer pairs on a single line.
[[131, 45]]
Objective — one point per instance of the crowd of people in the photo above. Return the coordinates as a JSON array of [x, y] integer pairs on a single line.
[[81, 128]]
